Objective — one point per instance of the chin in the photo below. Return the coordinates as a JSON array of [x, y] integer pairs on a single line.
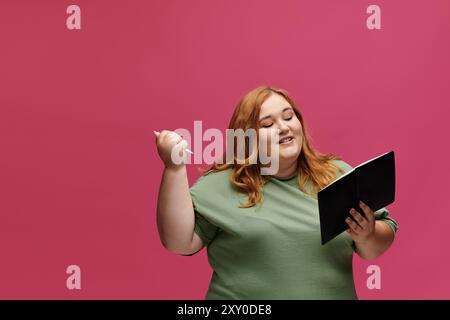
[[289, 154]]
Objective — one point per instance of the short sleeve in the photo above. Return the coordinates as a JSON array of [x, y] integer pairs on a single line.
[[205, 229], [383, 215]]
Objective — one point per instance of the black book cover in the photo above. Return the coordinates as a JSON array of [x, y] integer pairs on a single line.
[[372, 182]]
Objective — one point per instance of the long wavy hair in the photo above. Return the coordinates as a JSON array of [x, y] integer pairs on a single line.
[[312, 166]]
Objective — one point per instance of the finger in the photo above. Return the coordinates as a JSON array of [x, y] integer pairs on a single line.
[[174, 134], [370, 215], [178, 153], [352, 224], [179, 140], [174, 137], [358, 217], [183, 144], [162, 135]]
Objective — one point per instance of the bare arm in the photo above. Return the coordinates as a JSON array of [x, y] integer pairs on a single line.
[[175, 213]]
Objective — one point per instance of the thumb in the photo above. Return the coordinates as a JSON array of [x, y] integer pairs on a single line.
[[156, 133]]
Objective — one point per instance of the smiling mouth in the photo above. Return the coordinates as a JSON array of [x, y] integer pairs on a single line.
[[286, 140]]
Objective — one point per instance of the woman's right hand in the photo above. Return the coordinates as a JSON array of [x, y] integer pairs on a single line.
[[166, 141]]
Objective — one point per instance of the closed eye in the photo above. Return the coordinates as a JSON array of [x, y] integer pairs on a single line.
[[268, 125]]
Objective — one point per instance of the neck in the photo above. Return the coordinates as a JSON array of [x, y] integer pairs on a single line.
[[287, 171]]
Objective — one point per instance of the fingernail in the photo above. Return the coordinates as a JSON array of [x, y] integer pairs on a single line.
[[361, 203]]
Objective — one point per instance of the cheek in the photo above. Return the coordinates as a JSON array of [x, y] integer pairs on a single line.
[[297, 129], [265, 136], [298, 126]]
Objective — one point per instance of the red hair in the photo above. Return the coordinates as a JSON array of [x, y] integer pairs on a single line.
[[312, 166]]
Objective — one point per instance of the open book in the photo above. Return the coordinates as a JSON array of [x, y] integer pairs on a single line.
[[373, 182]]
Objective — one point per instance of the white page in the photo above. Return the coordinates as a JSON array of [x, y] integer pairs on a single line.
[[348, 172]]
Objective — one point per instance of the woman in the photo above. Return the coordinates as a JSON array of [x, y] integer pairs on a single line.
[[262, 232]]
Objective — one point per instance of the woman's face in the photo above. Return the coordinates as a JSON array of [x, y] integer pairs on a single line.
[[277, 114]]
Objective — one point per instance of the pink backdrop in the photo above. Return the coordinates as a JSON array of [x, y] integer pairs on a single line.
[[79, 170]]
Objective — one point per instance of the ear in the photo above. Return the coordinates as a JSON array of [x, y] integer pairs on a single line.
[[156, 133]]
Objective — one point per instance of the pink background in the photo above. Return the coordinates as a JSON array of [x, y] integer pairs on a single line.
[[79, 170]]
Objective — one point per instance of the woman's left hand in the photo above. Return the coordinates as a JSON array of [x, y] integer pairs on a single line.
[[361, 228]]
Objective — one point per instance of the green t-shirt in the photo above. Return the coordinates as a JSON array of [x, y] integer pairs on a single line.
[[272, 251]]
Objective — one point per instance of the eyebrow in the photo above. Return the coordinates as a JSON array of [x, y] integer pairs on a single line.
[[285, 109]]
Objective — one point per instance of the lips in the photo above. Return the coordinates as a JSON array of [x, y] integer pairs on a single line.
[[286, 139]]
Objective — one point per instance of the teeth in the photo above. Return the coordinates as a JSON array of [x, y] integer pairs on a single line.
[[285, 139]]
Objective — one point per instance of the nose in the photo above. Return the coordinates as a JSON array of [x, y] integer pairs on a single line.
[[282, 127]]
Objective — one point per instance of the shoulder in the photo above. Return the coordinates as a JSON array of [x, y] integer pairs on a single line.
[[342, 164], [219, 180], [213, 193]]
